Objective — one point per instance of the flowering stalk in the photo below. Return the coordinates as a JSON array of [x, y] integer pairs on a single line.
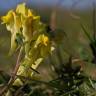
[[28, 32]]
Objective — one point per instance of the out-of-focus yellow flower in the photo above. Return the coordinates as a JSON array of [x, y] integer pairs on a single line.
[[27, 29], [23, 22], [21, 9], [43, 45], [8, 18], [13, 24], [30, 13], [43, 40], [17, 22], [30, 24], [12, 21], [23, 19], [17, 82]]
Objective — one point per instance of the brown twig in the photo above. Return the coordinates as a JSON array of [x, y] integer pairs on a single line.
[[54, 14], [13, 75]]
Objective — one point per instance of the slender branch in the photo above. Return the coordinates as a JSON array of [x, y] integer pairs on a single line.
[[18, 62], [54, 15], [14, 73]]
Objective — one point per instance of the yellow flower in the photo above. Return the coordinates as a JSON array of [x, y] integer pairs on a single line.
[[29, 21], [8, 18], [29, 13], [13, 24], [17, 82], [23, 18], [43, 40], [17, 22], [27, 29], [43, 45], [12, 21], [21, 9], [25, 26]]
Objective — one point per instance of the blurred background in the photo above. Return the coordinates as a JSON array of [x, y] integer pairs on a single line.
[[69, 15]]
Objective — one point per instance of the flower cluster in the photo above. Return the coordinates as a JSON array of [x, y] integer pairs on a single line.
[[29, 32]]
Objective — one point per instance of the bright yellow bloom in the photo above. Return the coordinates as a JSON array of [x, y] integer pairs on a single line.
[[13, 24], [9, 17], [12, 21], [32, 34], [21, 9], [23, 19], [43, 40]]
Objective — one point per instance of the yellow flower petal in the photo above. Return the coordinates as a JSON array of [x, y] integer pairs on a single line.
[[21, 9], [18, 82], [8, 18], [42, 40], [30, 13], [45, 40]]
